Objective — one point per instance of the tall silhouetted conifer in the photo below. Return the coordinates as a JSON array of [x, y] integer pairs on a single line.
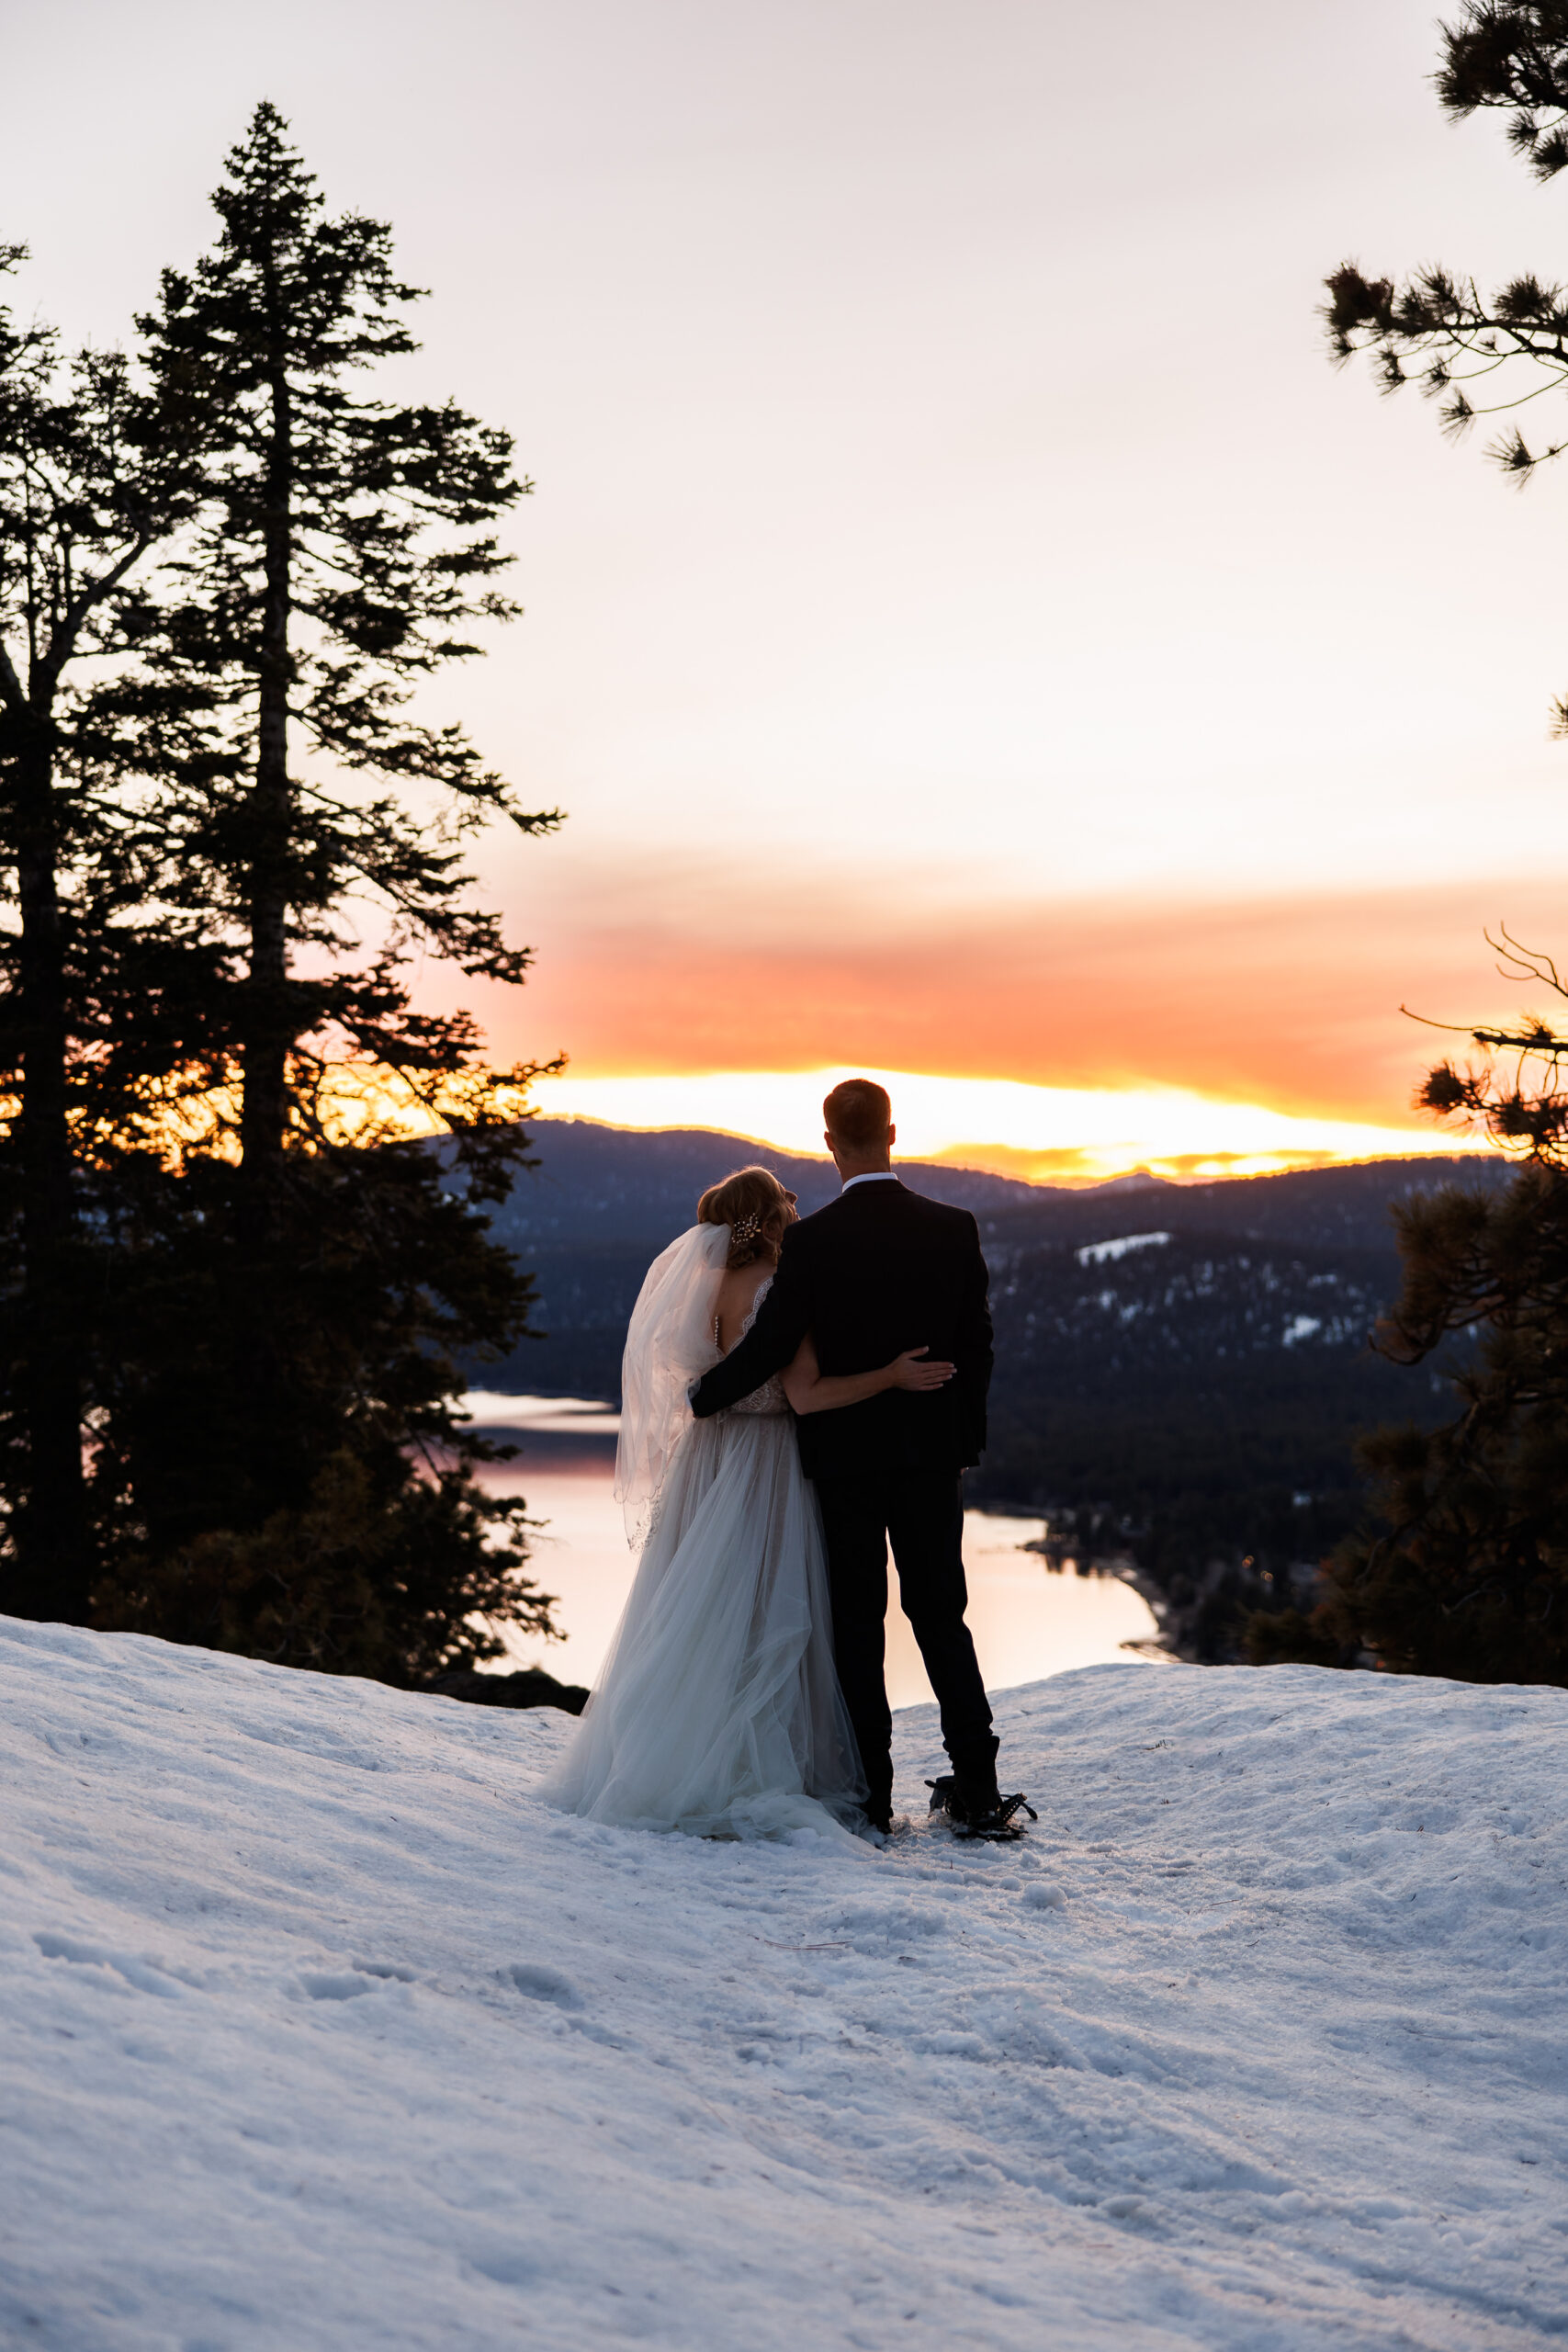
[[94, 478], [280, 1457], [346, 549], [217, 1089]]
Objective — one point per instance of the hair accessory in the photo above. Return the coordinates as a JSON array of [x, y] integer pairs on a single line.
[[745, 1228]]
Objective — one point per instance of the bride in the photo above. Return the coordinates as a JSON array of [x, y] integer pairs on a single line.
[[717, 1711]]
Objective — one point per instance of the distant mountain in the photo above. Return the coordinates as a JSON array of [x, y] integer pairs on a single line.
[[1137, 1180], [596, 1183], [603, 1201], [1194, 1393]]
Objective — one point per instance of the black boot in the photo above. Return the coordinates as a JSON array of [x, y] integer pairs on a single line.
[[977, 1808]]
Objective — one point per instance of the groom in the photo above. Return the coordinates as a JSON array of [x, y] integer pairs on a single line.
[[878, 1270]]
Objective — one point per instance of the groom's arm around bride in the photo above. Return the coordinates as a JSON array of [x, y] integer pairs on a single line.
[[879, 1271]]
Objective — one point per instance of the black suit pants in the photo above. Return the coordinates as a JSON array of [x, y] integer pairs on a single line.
[[923, 1514]]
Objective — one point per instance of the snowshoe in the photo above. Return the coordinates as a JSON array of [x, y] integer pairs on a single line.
[[979, 1813]]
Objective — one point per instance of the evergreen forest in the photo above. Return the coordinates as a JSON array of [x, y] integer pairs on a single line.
[[238, 1281]]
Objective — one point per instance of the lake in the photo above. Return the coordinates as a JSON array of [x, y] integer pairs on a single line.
[[1027, 1620]]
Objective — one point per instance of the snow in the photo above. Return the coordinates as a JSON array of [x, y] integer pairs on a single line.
[[1097, 1253], [320, 2033]]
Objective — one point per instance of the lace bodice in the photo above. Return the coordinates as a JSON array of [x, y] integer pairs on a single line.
[[770, 1397]]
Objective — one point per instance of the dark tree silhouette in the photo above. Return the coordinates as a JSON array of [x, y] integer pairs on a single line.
[[307, 1291], [1467, 1576], [344, 547], [93, 480], [253, 1276], [363, 1544]]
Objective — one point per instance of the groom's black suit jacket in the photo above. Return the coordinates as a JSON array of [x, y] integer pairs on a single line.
[[879, 1270]]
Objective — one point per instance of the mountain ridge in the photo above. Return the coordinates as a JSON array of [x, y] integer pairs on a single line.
[[592, 1178]]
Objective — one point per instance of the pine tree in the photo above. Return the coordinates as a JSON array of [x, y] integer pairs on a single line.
[[1468, 1575], [307, 1290], [93, 482], [344, 547]]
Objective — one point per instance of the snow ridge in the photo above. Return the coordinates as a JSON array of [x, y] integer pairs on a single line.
[[319, 2032]]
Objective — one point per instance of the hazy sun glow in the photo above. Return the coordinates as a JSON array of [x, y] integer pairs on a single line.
[[1046, 1134]]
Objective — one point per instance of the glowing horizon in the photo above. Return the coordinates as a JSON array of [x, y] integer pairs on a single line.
[[1042, 1134], [926, 689]]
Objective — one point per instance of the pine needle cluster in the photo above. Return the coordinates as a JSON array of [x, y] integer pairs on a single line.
[[1476, 354]]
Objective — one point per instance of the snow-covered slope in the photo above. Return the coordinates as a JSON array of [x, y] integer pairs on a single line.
[[319, 2035]]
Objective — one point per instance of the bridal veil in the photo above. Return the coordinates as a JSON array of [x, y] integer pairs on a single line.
[[718, 1710], [669, 1343]]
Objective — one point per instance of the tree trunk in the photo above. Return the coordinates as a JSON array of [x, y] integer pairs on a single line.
[[261, 1368], [54, 1563], [265, 1114]]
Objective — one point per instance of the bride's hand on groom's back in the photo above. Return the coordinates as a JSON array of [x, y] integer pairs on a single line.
[[912, 1370]]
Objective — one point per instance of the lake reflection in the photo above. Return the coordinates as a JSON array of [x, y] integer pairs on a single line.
[[1027, 1622]]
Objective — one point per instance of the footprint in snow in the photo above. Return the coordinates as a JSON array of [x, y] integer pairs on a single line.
[[347, 1985], [323, 1987], [144, 1976], [541, 1984]]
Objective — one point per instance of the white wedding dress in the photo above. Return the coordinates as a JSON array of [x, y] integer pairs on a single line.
[[717, 1711]]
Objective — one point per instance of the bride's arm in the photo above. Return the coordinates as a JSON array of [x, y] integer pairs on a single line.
[[809, 1392]]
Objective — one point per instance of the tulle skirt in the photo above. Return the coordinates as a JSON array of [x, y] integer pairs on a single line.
[[719, 1710]]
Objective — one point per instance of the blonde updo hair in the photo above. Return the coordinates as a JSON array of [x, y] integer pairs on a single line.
[[755, 1206]]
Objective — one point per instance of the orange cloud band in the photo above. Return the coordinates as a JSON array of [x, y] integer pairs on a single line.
[[1290, 1001]]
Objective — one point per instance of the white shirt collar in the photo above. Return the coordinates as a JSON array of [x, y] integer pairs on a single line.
[[877, 1176]]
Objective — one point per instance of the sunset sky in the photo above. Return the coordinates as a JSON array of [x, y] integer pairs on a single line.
[[975, 634]]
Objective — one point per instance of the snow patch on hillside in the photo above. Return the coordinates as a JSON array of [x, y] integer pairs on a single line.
[[320, 2033], [1100, 1253]]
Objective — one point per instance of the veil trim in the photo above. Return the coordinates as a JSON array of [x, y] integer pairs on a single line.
[[670, 1344]]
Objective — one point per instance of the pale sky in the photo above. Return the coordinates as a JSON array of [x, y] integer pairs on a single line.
[[947, 523]]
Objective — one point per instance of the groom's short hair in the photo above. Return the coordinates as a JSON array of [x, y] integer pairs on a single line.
[[858, 1112]]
